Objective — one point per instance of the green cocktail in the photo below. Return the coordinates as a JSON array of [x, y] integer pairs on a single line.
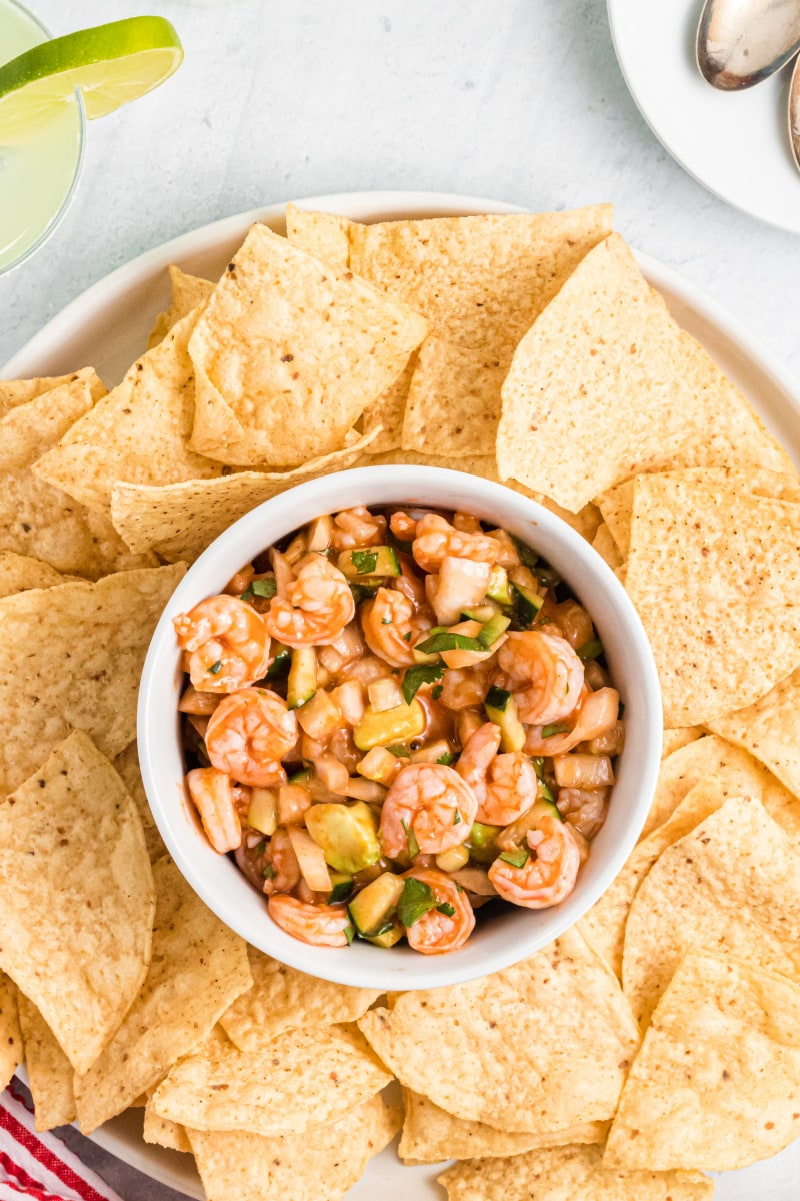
[[37, 176]]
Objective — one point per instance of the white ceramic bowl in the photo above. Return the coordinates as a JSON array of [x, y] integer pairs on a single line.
[[502, 939]]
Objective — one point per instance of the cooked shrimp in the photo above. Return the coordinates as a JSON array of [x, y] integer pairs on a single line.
[[437, 932], [227, 641], [584, 810], [505, 785], [248, 734], [435, 538], [317, 925], [403, 526], [213, 795], [316, 607], [386, 622], [597, 714], [464, 687], [279, 855], [357, 527], [550, 873], [544, 673], [432, 802]]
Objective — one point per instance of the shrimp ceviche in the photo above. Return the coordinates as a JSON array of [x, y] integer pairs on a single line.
[[393, 719]]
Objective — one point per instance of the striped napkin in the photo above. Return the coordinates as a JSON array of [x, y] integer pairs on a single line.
[[39, 1165]]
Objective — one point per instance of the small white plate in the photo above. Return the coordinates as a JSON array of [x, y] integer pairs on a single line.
[[734, 143]]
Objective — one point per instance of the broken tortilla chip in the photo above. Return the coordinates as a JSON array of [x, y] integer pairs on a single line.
[[50, 1073], [10, 1035], [164, 1133], [19, 573], [324, 235], [188, 291]]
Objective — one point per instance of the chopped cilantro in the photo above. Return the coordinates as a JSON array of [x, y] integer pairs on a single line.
[[399, 752], [261, 847], [436, 692], [364, 561], [415, 677], [266, 588], [415, 899], [515, 858], [386, 621], [456, 816], [349, 933], [447, 641], [447, 909], [268, 872], [407, 637], [411, 838], [215, 668], [446, 759], [557, 727]]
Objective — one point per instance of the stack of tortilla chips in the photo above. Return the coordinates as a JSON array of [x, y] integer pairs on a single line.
[[658, 1039]]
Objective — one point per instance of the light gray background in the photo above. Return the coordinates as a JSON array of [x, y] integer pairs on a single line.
[[517, 100]]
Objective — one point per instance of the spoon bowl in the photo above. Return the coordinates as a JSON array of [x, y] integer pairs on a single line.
[[742, 42]]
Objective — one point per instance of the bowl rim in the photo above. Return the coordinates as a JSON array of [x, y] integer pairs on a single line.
[[390, 484]]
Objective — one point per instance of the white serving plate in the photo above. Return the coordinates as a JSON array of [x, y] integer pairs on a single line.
[[108, 325], [734, 143]]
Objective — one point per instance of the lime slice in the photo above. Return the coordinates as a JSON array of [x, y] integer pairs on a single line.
[[110, 65]]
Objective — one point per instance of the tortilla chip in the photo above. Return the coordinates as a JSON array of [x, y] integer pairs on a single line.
[[716, 1083], [80, 651], [138, 434], [198, 968], [77, 896], [431, 1134], [770, 730], [295, 1166], [604, 368], [607, 548], [304, 1078], [386, 413], [453, 404], [324, 235], [504, 1063], [568, 1174], [727, 563], [18, 573], [50, 1073], [15, 392], [188, 291], [10, 1035], [289, 352], [127, 764], [732, 885], [284, 999], [163, 1133], [41, 422], [679, 736], [181, 520]]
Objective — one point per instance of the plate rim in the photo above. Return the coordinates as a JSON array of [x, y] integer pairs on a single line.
[[151, 1160]]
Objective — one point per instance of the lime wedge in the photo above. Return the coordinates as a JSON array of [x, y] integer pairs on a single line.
[[110, 65]]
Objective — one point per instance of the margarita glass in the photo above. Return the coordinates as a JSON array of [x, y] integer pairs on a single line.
[[37, 177]]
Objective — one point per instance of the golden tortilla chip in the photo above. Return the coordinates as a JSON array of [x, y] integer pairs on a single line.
[[568, 1174], [163, 1133], [607, 548], [386, 413], [10, 1035], [18, 573], [304, 1078], [324, 235], [289, 352], [770, 730], [50, 1073], [431, 1134], [15, 392], [453, 404], [715, 576], [41, 422], [77, 896], [294, 1166], [732, 885], [504, 1063], [284, 999], [605, 384], [181, 520], [188, 291], [197, 969], [716, 1083], [138, 434], [80, 651], [127, 764], [679, 736]]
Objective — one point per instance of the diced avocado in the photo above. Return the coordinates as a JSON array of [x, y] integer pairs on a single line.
[[501, 708], [342, 887], [397, 725], [390, 933], [302, 677], [348, 835], [498, 586], [492, 629], [371, 561], [526, 605], [481, 842], [281, 660], [373, 906]]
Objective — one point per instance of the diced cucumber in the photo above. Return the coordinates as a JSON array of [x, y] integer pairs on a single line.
[[544, 808], [501, 708], [300, 776], [374, 905], [397, 725], [370, 561], [481, 842], [492, 629], [390, 933], [526, 605], [342, 887], [302, 677], [347, 834], [482, 613], [498, 589], [280, 663]]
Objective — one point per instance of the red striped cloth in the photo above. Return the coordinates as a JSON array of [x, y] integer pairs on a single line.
[[41, 1166]]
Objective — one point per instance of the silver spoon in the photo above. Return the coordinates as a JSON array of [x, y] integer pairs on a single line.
[[742, 42], [794, 113]]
